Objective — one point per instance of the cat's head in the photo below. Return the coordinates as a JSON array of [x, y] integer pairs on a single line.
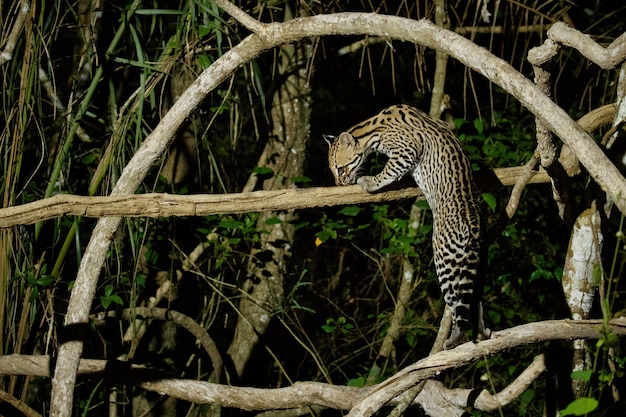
[[345, 157]]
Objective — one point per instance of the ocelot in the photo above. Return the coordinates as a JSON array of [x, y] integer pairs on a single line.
[[425, 147]]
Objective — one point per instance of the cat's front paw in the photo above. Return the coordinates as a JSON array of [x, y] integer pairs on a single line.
[[367, 183]]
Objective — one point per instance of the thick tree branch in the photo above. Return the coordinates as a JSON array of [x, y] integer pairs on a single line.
[[165, 205]]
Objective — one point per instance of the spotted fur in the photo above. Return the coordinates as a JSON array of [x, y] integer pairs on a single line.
[[427, 149]]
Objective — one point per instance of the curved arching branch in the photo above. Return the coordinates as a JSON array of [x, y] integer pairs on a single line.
[[269, 36]]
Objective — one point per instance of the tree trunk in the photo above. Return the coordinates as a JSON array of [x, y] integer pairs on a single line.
[[284, 154]]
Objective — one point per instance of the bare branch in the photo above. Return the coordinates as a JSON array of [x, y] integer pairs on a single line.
[[583, 257], [184, 321], [441, 62], [241, 16], [520, 185], [165, 205], [19, 405], [58, 104], [546, 149], [488, 402], [606, 58], [591, 121], [7, 54], [464, 30]]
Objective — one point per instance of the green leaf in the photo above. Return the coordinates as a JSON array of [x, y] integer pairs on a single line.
[[45, 280], [204, 60], [262, 171], [108, 290], [490, 200], [89, 158], [422, 204], [405, 240], [324, 235], [330, 325], [582, 375], [272, 221], [301, 180], [426, 229], [410, 339], [596, 275], [105, 301], [356, 382], [328, 329], [479, 125], [230, 224], [390, 250], [30, 279], [141, 280], [116, 299], [494, 316], [540, 274], [611, 339], [527, 396], [350, 211], [579, 407]]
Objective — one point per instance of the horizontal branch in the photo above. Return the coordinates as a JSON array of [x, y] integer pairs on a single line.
[[315, 393], [165, 205]]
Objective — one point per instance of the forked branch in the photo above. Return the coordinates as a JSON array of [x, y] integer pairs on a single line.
[[521, 335], [606, 58]]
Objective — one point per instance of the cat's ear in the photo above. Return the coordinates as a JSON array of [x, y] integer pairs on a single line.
[[347, 140], [329, 139]]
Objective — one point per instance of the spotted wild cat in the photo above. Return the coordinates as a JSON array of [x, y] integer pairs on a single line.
[[425, 147]]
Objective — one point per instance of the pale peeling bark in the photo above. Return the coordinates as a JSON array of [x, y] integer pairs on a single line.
[[284, 154], [583, 256]]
